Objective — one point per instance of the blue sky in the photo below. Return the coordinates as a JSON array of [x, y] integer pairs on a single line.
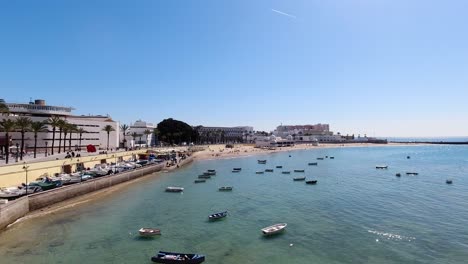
[[380, 67]]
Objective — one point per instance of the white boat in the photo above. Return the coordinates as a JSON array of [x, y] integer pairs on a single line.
[[149, 232], [174, 189], [274, 229]]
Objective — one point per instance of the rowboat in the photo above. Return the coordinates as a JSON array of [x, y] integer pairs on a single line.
[[279, 167], [204, 176], [313, 163], [261, 161], [332, 157], [411, 173], [274, 229], [319, 158], [286, 172], [259, 172], [209, 173], [299, 179], [269, 170], [174, 189], [381, 167], [199, 181], [237, 169], [398, 174], [225, 188], [311, 182], [171, 258], [149, 232], [299, 170], [448, 181], [217, 215]]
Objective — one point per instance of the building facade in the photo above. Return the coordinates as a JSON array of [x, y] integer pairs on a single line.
[[223, 134], [38, 111], [308, 133], [141, 140]]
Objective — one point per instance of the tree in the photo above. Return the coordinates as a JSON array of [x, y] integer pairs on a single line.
[[156, 135], [72, 129], [4, 110], [108, 129], [139, 142], [80, 131], [175, 131], [65, 130], [23, 125], [54, 122], [147, 132], [37, 127], [7, 126], [134, 136], [124, 129], [61, 125]]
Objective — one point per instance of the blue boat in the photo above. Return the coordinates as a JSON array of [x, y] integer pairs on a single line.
[[218, 215], [170, 257]]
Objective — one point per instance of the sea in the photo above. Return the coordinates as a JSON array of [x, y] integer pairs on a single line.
[[354, 214]]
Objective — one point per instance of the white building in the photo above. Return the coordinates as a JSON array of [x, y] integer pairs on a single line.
[[272, 142], [223, 134], [308, 133], [38, 111], [141, 140]]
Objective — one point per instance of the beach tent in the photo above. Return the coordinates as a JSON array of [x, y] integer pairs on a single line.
[[91, 148]]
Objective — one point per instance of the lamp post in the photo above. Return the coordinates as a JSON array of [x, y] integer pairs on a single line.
[[17, 151], [25, 168], [46, 148]]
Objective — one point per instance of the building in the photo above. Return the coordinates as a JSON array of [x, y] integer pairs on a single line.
[[141, 140], [223, 134], [39, 111], [308, 133], [272, 142]]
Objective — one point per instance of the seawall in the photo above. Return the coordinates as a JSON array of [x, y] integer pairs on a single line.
[[18, 208]]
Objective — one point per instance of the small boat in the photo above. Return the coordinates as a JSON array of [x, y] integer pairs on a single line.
[[286, 172], [311, 182], [398, 174], [279, 167], [149, 232], [204, 176], [217, 215], [381, 167], [326, 157], [289, 155], [448, 181], [332, 157], [408, 157], [313, 163], [299, 170], [269, 170], [274, 229], [299, 179], [170, 257], [225, 188], [211, 170], [319, 158], [174, 189], [237, 169], [412, 173], [209, 173], [199, 181], [259, 172], [261, 161]]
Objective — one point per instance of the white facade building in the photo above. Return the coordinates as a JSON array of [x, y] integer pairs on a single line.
[[308, 133], [38, 111], [141, 140], [225, 134]]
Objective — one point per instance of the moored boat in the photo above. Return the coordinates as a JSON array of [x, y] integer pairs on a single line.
[[279, 167], [171, 257], [204, 176], [274, 229], [174, 189], [199, 181], [225, 188], [319, 158], [286, 172], [449, 181], [149, 232], [398, 174], [412, 173], [313, 163], [209, 173], [311, 182], [332, 157], [217, 215], [299, 170], [269, 170], [237, 169], [261, 161], [299, 179], [381, 167], [259, 172]]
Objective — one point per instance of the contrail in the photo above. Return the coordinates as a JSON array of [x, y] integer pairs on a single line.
[[283, 13]]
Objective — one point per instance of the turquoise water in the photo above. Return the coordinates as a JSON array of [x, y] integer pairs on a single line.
[[355, 214]]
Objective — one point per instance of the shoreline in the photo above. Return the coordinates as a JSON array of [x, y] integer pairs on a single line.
[[214, 152]]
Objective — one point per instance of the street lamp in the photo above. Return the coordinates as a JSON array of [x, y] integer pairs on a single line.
[[46, 148], [17, 151], [25, 168]]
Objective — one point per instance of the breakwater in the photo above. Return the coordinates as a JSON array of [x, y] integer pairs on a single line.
[[16, 209]]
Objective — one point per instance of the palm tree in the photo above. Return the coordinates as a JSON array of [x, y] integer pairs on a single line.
[[23, 125], [124, 128], [139, 143], [7, 126], [72, 128], [80, 131], [108, 129], [65, 130], [54, 122], [147, 132], [62, 124], [134, 136], [37, 127], [156, 134]]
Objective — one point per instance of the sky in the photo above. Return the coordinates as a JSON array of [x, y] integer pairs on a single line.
[[375, 67]]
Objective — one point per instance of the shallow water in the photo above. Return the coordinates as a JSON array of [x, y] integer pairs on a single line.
[[355, 214]]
